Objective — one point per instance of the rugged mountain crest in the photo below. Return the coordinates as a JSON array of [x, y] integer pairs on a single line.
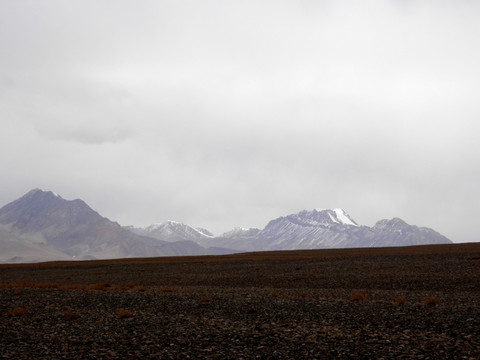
[[319, 229], [172, 231], [394, 231], [321, 218], [41, 225], [42, 219]]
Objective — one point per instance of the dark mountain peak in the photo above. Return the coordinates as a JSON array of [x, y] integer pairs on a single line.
[[44, 220], [30, 205], [38, 210]]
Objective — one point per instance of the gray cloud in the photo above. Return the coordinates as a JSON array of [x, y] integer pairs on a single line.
[[225, 113]]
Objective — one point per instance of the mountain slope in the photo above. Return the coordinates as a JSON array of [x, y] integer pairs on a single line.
[[14, 249], [319, 229], [41, 226], [395, 231], [172, 231], [74, 229]]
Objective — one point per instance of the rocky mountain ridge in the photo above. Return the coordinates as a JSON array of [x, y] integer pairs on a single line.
[[42, 226], [322, 229]]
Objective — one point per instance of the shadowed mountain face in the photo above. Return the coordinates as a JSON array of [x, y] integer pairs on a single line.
[[72, 228], [43, 226]]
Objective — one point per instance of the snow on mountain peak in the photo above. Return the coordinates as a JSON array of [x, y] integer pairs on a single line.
[[326, 217], [154, 226], [343, 217], [56, 195], [204, 232]]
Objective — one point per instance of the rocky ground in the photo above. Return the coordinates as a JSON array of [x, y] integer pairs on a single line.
[[404, 303]]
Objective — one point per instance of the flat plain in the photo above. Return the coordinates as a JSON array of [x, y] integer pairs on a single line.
[[418, 302]]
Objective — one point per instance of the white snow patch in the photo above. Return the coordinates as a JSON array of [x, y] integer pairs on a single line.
[[203, 234], [331, 217], [343, 218], [154, 226]]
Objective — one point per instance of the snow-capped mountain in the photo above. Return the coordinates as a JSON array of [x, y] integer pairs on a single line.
[[42, 226], [319, 229], [173, 231], [322, 218]]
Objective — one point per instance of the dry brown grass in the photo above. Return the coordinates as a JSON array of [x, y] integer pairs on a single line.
[[251, 310], [70, 315], [129, 285], [401, 300], [100, 286], [18, 311], [124, 313], [430, 301], [358, 296], [48, 286], [168, 289], [76, 287]]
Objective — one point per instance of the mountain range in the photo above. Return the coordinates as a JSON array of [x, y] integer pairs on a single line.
[[42, 226]]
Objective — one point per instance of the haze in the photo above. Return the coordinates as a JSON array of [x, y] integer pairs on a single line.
[[232, 113]]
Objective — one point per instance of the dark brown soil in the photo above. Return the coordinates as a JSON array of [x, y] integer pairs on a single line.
[[395, 303]]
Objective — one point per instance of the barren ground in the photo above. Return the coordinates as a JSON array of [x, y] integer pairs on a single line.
[[401, 303]]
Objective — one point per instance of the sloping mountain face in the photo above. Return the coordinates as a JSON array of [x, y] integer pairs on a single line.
[[44, 220], [14, 249], [43, 226], [395, 231], [172, 231], [239, 237], [320, 229]]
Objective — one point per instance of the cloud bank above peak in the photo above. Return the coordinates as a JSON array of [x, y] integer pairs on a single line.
[[222, 114]]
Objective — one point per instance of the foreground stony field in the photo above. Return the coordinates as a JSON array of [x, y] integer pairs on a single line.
[[404, 303]]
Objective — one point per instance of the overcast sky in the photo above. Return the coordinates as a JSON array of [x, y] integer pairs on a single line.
[[232, 113]]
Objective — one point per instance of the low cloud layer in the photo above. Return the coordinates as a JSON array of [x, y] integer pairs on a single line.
[[223, 114]]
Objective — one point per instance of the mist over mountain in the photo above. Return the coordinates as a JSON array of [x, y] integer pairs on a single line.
[[42, 226]]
